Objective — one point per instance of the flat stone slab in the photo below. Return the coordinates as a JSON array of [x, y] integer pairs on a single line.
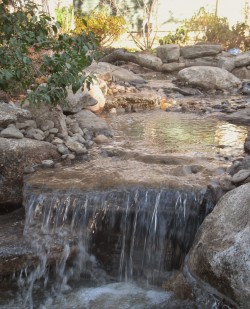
[[125, 169]]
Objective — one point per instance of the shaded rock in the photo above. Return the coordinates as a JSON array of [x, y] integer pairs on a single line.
[[75, 146], [247, 146], [220, 255], [26, 124], [63, 150], [245, 88], [197, 51], [226, 63], [15, 155], [9, 113], [11, 132], [107, 71], [209, 78], [47, 125], [35, 134], [242, 59], [154, 60], [242, 73], [239, 117], [43, 113], [226, 183], [168, 52], [240, 176], [173, 66], [88, 120], [202, 61]]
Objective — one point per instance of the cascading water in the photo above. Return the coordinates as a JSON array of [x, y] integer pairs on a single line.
[[123, 234]]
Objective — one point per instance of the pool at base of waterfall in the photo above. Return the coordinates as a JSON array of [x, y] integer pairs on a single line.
[[116, 295]]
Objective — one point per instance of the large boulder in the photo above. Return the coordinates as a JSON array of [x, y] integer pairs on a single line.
[[242, 59], [107, 71], [209, 78], [220, 255], [168, 52], [200, 50], [94, 124], [9, 113], [15, 155]]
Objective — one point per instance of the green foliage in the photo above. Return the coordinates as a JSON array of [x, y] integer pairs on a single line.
[[65, 16], [107, 28], [216, 29], [180, 37], [26, 32]]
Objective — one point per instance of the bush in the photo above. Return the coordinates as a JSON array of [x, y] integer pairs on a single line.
[[59, 59], [107, 28], [180, 37], [216, 29]]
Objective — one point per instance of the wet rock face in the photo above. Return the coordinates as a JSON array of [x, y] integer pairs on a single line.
[[15, 155], [221, 255]]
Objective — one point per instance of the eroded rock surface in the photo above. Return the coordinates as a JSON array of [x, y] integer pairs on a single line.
[[15, 155], [221, 253]]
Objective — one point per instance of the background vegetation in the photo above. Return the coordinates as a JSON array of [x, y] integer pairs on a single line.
[[35, 57]]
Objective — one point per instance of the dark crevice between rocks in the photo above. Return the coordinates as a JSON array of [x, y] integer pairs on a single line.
[[6, 208]]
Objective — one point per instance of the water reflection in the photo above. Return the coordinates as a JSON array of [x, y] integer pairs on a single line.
[[161, 132]]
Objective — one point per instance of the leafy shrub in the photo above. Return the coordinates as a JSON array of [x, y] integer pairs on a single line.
[[107, 28], [24, 32], [216, 29], [180, 37]]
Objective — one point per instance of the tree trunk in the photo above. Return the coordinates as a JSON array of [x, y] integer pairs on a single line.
[[121, 55]]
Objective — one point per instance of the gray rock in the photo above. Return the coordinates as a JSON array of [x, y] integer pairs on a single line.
[[48, 163], [53, 131], [55, 114], [197, 51], [220, 255], [168, 52], [209, 78], [26, 124], [240, 176], [35, 134], [9, 113], [242, 59], [226, 183], [202, 61], [78, 138], [47, 125], [70, 156], [57, 141], [75, 146], [173, 66], [11, 132], [107, 71], [15, 156], [94, 124], [62, 149], [242, 73], [226, 63]]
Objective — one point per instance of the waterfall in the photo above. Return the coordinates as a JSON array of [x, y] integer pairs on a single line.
[[131, 233]]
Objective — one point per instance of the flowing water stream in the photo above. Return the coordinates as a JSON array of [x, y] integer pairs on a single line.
[[117, 246]]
